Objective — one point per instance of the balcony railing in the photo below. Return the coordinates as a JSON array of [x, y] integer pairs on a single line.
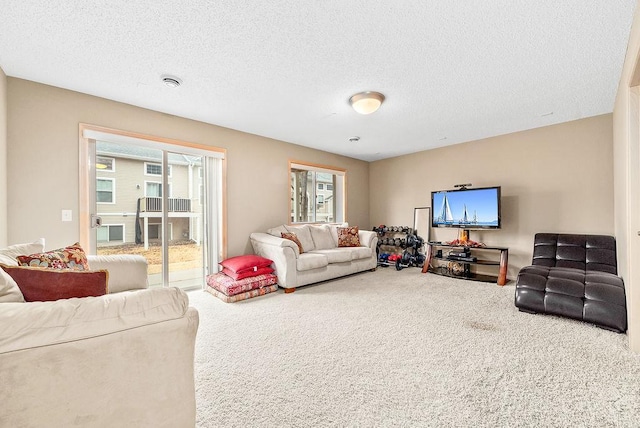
[[176, 205]]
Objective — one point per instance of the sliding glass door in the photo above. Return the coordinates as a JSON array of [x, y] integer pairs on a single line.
[[184, 213], [162, 202]]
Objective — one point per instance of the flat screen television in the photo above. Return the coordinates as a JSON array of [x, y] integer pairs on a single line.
[[466, 208]]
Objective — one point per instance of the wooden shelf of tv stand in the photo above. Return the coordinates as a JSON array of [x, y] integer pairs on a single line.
[[500, 279]]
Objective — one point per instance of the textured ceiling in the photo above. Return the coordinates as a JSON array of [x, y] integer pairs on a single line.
[[452, 71]]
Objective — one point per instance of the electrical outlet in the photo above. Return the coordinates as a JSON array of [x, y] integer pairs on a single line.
[[67, 215]]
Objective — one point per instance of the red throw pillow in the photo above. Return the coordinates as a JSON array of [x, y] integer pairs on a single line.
[[293, 237], [348, 237], [41, 284], [248, 273], [71, 257], [245, 263]]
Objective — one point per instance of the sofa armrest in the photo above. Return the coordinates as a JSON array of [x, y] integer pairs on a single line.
[[265, 238], [65, 359], [37, 324], [282, 251], [126, 271], [368, 239]]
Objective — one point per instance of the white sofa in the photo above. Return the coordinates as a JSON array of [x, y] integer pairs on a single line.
[[321, 259], [123, 359]]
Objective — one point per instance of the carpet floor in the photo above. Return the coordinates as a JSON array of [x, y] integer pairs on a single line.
[[402, 348]]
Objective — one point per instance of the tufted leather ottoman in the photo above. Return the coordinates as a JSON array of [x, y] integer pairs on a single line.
[[574, 276]]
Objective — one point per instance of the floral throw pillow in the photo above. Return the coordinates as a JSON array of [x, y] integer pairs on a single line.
[[72, 257], [348, 237], [292, 237]]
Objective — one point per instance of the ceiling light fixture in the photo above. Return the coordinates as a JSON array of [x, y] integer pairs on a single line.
[[366, 102], [171, 81]]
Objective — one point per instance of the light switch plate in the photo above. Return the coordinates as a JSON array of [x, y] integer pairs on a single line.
[[67, 215]]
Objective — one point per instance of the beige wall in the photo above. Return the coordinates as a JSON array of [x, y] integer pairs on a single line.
[[554, 179], [43, 164], [626, 124], [3, 159]]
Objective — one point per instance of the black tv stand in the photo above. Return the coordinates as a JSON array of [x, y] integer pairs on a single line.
[[439, 264]]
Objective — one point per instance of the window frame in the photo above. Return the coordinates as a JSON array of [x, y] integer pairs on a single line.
[[148, 174], [156, 182], [124, 230], [113, 163], [113, 190], [339, 194]]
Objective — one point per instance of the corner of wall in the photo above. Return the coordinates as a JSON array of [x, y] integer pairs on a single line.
[[3, 159]]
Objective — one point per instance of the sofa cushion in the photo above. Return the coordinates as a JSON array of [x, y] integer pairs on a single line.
[[322, 238], [246, 263], [303, 233], [308, 261], [8, 255], [41, 284], [231, 287], [348, 237], [70, 257], [247, 274], [358, 253], [336, 255], [9, 290], [277, 231]]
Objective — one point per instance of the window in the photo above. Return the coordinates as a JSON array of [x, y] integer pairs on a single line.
[[111, 232], [155, 231], [155, 169], [104, 164], [153, 189], [324, 185], [105, 191]]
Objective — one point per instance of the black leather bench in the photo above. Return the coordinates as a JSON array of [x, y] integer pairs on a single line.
[[574, 276]]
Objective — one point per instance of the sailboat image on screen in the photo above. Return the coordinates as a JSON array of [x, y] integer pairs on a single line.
[[445, 216], [465, 217]]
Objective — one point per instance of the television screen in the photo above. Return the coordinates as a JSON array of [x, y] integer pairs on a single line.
[[466, 208]]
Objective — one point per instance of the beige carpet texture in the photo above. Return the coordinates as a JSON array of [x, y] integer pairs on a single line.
[[405, 349]]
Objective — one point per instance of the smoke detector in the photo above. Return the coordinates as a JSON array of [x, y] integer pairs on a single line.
[[354, 139], [171, 81]]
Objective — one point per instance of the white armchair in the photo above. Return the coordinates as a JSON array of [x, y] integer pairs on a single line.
[[122, 359]]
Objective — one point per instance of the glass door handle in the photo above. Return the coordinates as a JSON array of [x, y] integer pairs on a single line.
[[96, 221]]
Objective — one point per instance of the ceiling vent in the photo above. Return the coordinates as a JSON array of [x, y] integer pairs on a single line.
[[171, 81]]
